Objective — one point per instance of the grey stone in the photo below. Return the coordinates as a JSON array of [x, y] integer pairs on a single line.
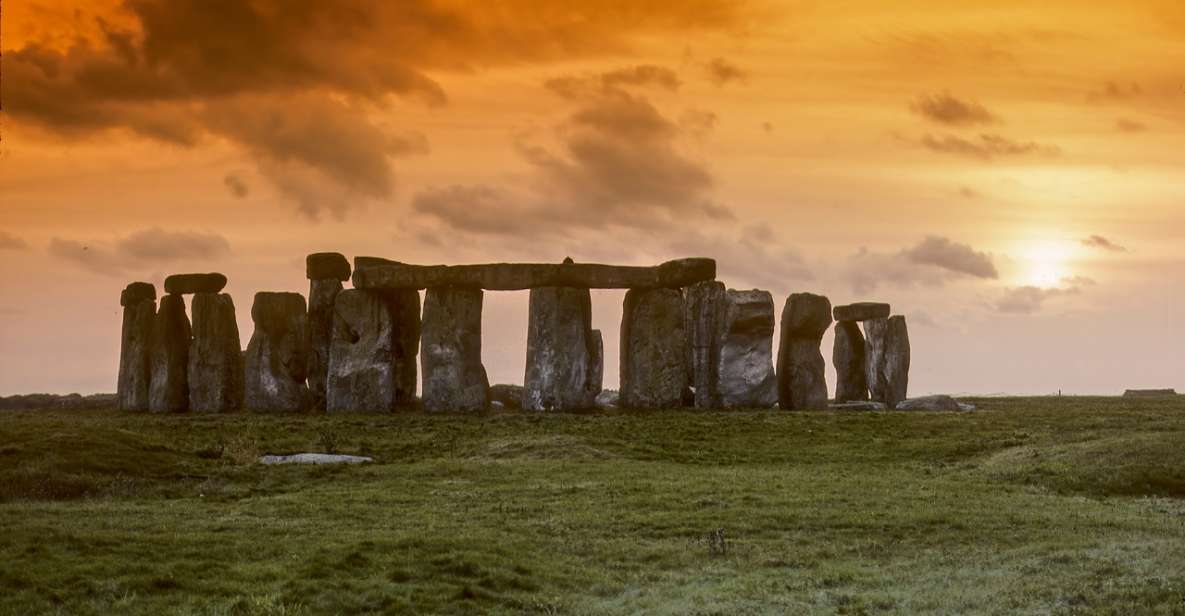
[[1149, 393], [370, 352], [703, 304], [608, 399], [653, 370], [851, 382], [454, 378], [327, 266], [887, 359], [277, 355], [216, 369], [180, 284], [375, 273], [135, 352], [564, 370], [322, 294], [168, 390], [137, 292], [802, 382], [865, 405], [933, 403], [314, 458], [509, 396], [745, 370], [405, 313], [862, 311]]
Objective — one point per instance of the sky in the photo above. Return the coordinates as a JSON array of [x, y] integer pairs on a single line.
[[1007, 174]]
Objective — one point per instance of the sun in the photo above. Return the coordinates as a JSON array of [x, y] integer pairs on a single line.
[[1046, 263]]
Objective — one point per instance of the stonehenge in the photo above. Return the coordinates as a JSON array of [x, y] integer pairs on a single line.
[[685, 340]]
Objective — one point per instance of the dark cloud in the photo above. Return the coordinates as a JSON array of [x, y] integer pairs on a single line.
[[1029, 299], [1130, 126], [236, 185], [987, 147], [967, 192], [9, 241], [948, 110], [721, 72], [1102, 243], [959, 258], [140, 249], [698, 123], [931, 263], [1112, 91]]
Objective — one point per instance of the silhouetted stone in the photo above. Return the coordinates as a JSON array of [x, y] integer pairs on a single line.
[[862, 311], [370, 352], [745, 369], [375, 273], [216, 369], [277, 355], [322, 294], [137, 292], [933, 403], [802, 382], [563, 370], [596, 378], [135, 348], [848, 358], [168, 390], [454, 378], [405, 312], [180, 284], [653, 353], [509, 396], [887, 359], [703, 305], [327, 266]]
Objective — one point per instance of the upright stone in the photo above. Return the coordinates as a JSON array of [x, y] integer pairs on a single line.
[[744, 371], [454, 378], [896, 358], [875, 333], [704, 303], [135, 348], [168, 390], [404, 306], [277, 355], [322, 294], [564, 354], [802, 381], [848, 358], [216, 369], [653, 352], [374, 339]]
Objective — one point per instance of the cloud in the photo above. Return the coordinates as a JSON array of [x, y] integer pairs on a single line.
[[987, 147], [968, 193], [582, 87], [1102, 243], [1130, 126], [948, 110], [236, 185], [931, 263], [721, 72], [1029, 299], [1113, 91], [959, 258], [9, 241], [140, 249]]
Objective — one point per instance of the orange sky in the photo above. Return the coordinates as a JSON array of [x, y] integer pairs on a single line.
[[1007, 174]]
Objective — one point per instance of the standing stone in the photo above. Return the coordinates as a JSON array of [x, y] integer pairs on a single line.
[[745, 370], [404, 307], [277, 355], [454, 379], [168, 390], [375, 337], [653, 351], [875, 332], [564, 354], [704, 303], [322, 294], [802, 381], [135, 346], [848, 358], [216, 370], [896, 362]]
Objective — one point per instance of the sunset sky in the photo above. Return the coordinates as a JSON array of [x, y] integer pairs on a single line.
[[1010, 175]]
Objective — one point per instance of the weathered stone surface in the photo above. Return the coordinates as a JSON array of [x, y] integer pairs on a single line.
[[848, 358], [1149, 393], [653, 353], [608, 399], [596, 378], [865, 405], [703, 305], [563, 371], [933, 403], [322, 294], [454, 378], [135, 352], [862, 311], [802, 382], [509, 396], [327, 266], [887, 357], [137, 292], [372, 355], [277, 355], [168, 390], [314, 458], [216, 369], [180, 284], [745, 370], [374, 273]]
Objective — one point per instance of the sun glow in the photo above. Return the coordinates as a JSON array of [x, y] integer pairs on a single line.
[[1046, 263]]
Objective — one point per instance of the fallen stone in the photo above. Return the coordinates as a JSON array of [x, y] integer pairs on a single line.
[[608, 399], [802, 382], [322, 294], [563, 371], [848, 357], [745, 370], [454, 378], [314, 458], [374, 273], [181, 284], [509, 396], [216, 370], [277, 355], [327, 266], [1149, 393], [857, 406], [369, 352], [137, 292], [703, 305], [168, 390], [497, 406], [933, 403], [862, 311], [653, 371]]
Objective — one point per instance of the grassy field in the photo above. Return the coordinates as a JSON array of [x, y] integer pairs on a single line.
[[1027, 506]]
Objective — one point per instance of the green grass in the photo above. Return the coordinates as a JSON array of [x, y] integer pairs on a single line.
[[1027, 506]]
